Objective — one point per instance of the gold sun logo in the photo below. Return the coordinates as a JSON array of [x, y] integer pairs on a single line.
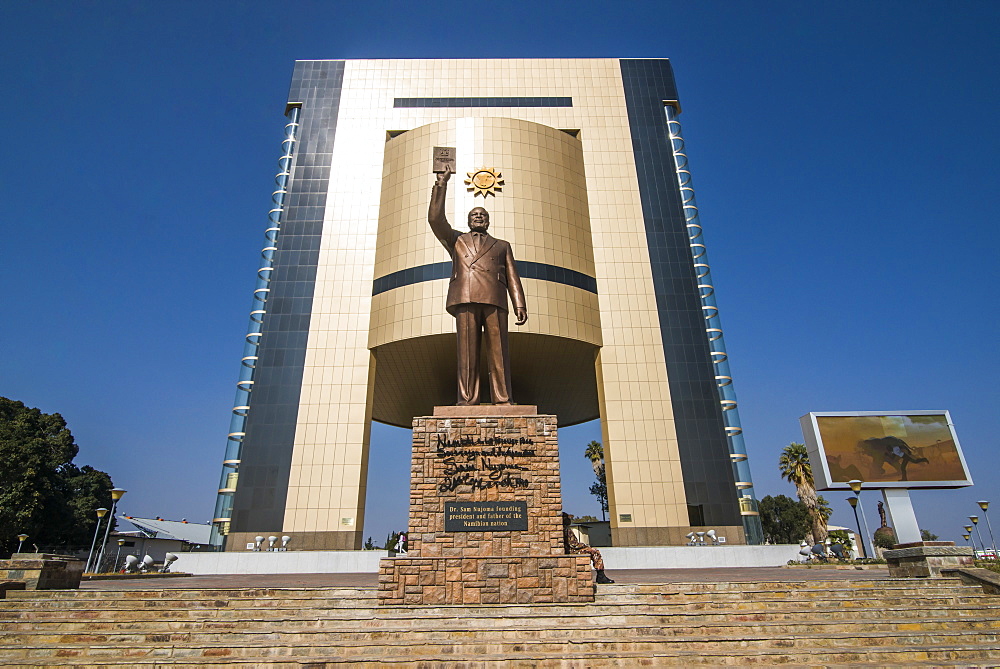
[[484, 181]]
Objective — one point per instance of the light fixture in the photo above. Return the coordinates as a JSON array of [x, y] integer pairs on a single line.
[[975, 521], [168, 560], [257, 541], [853, 501], [21, 538], [116, 494], [284, 542], [984, 505], [270, 542], [100, 514], [856, 485]]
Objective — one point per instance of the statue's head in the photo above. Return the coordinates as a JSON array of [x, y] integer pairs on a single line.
[[479, 220]]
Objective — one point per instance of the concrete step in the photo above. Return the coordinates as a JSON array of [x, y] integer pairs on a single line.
[[832, 622], [153, 624], [831, 585], [472, 647], [981, 605], [337, 598], [964, 655], [320, 634]]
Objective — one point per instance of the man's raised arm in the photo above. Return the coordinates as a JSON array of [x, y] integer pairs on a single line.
[[435, 212]]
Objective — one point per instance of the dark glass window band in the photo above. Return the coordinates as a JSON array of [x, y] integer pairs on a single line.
[[442, 270], [482, 102]]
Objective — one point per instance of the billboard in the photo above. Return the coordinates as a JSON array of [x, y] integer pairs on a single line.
[[901, 449]]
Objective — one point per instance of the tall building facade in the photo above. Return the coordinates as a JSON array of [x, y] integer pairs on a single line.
[[349, 323]]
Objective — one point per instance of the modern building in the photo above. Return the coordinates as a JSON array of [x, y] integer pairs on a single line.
[[585, 175]]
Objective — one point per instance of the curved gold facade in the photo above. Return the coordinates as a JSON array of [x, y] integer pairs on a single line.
[[543, 211]]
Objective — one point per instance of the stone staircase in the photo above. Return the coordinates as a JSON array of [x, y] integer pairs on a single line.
[[829, 622]]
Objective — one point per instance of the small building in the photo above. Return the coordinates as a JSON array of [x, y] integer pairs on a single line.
[[156, 537]]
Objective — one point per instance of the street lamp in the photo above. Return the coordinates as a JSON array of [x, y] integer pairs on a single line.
[[975, 521], [983, 504], [853, 501], [121, 542], [100, 514], [116, 494], [967, 538], [856, 487], [21, 538]]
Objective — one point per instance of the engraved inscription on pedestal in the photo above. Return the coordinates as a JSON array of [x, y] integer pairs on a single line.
[[485, 516]]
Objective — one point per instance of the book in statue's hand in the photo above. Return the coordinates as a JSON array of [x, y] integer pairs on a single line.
[[444, 156]]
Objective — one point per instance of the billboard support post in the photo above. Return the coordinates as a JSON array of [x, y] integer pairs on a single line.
[[904, 520]]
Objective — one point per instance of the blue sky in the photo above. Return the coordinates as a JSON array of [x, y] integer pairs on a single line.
[[844, 157]]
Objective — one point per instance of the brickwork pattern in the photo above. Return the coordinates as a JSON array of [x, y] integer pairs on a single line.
[[483, 458], [429, 471], [485, 580]]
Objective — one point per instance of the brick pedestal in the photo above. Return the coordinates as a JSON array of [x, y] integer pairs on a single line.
[[487, 465], [926, 559], [43, 571]]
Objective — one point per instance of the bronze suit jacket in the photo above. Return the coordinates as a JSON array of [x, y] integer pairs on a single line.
[[483, 277]]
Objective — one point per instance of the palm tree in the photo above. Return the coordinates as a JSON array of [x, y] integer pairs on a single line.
[[795, 468], [595, 453]]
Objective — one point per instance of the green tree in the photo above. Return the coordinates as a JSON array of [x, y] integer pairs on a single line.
[[842, 537], [783, 520], [885, 537], [795, 468], [595, 453], [927, 535], [42, 493]]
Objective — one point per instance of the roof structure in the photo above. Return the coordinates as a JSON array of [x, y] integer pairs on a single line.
[[194, 533]]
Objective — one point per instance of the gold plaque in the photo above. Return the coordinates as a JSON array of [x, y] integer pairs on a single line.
[[484, 181]]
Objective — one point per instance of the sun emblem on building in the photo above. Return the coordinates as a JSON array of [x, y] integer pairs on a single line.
[[484, 181]]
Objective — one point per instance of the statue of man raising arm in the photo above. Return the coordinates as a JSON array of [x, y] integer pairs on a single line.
[[483, 273]]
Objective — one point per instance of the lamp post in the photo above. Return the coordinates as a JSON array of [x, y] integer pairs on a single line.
[[975, 521], [853, 501], [21, 538], [116, 494], [968, 528], [121, 542], [967, 538], [984, 505], [100, 514], [856, 487]]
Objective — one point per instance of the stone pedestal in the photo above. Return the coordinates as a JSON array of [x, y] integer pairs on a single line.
[[926, 559], [485, 514], [43, 571]]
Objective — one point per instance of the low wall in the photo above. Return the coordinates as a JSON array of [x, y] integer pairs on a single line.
[[694, 557], [367, 562]]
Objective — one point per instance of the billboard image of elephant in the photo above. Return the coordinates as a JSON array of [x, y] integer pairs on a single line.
[[917, 449]]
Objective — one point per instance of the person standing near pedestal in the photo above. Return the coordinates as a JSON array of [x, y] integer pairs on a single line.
[[483, 273]]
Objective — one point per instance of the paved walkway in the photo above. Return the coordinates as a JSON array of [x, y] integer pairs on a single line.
[[371, 580]]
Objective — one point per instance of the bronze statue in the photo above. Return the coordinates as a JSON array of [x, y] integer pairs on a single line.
[[482, 275]]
